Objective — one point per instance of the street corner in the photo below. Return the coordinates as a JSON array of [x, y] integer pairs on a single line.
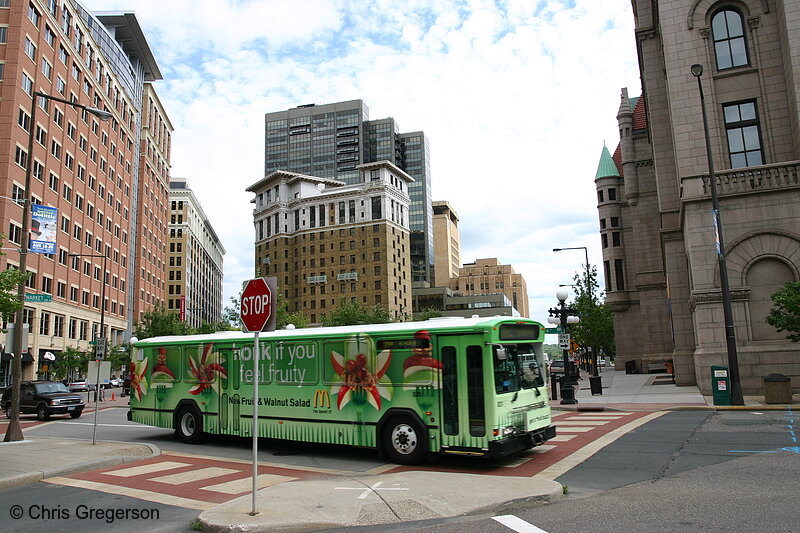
[[377, 499]]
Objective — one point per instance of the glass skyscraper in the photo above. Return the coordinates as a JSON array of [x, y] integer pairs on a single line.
[[330, 140]]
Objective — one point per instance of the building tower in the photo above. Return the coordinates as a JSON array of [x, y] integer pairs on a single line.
[[152, 198], [446, 243], [667, 297], [327, 241], [331, 140], [86, 169], [194, 273]]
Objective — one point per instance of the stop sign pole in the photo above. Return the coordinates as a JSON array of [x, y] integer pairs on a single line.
[[257, 313]]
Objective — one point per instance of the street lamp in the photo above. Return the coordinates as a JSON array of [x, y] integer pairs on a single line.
[[99, 340], [730, 337], [588, 291], [562, 316], [14, 432]]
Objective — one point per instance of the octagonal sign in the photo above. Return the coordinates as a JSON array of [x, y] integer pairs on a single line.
[[257, 309]]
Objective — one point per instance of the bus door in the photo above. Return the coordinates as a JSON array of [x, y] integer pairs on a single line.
[[463, 411], [230, 396]]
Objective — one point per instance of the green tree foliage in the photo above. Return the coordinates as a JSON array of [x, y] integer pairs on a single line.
[[430, 312], [69, 364], [9, 282], [230, 315], [785, 316], [350, 312], [120, 357], [596, 328], [159, 321]]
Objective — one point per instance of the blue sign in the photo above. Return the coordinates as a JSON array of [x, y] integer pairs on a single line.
[[44, 225]]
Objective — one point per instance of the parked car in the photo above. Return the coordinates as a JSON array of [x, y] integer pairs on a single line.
[[45, 398], [557, 366], [126, 386], [80, 386], [115, 382]]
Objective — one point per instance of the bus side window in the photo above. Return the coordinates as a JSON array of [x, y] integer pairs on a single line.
[[166, 364]]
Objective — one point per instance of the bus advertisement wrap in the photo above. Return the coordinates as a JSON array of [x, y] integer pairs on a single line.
[[447, 386]]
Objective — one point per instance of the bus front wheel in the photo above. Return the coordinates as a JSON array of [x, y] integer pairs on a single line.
[[189, 426], [403, 441]]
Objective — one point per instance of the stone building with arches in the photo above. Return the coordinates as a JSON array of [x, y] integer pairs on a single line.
[[654, 200]]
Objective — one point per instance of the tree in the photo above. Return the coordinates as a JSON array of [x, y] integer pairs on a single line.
[[353, 312], [785, 316], [159, 321], [596, 328], [69, 360], [430, 312], [120, 357], [230, 315]]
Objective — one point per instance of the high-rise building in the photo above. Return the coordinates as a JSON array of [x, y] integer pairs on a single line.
[[488, 276], [85, 168], [657, 227], [194, 284], [331, 140], [446, 243], [152, 202], [326, 241]]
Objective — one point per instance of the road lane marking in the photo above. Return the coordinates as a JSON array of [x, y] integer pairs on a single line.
[[576, 458], [574, 429], [285, 466], [239, 486], [573, 422], [370, 490], [147, 495], [561, 438], [517, 524], [195, 475], [146, 469]]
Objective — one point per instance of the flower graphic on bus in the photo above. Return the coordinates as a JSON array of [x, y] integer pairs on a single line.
[[207, 370], [138, 379], [362, 382]]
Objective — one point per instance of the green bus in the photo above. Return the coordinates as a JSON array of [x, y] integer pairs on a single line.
[[469, 386]]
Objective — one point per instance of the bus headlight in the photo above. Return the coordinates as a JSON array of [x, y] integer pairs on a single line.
[[508, 430]]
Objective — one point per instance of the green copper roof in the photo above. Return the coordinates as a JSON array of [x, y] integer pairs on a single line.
[[607, 168]]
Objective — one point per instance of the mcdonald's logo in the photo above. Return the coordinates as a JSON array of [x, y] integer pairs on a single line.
[[322, 399]]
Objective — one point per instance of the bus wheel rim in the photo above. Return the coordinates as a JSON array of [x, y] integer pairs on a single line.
[[188, 424], [404, 439]]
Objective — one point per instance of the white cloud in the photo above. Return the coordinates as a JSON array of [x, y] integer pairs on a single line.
[[515, 97]]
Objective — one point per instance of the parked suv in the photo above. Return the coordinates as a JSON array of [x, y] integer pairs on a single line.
[[45, 398]]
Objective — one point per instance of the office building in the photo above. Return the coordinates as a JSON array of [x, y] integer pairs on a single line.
[[446, 244], [331, 140], [85, 168], [488, 276], [658, 234], [326, 241], [194, 273], [152, 202]]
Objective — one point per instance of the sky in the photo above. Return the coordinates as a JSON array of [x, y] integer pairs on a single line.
[[516, 98]]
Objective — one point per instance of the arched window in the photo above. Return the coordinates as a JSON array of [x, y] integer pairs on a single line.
[[729, 43], [764, 278]]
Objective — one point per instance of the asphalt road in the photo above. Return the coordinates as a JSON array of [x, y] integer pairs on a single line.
[[684, 471]]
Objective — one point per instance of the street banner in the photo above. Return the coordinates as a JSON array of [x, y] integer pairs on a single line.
[[44, 224]]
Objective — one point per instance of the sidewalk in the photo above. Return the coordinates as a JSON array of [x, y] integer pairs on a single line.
[[649, 392]]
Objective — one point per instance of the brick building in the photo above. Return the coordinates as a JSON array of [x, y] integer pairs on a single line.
[[325, 240]]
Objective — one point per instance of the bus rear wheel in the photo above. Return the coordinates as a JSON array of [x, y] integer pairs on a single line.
[[189, 425], [403, 441]]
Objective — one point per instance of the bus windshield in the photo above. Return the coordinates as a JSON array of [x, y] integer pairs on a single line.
[[519, 369]]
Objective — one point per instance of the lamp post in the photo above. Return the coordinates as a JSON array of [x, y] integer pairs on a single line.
[[99, 340], [562, 316], [14, 432], [589, 292], [730, 337]]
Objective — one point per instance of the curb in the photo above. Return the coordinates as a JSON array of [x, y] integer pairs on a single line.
[[20, 480]]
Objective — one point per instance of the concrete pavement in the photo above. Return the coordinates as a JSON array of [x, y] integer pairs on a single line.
[[341, 501]]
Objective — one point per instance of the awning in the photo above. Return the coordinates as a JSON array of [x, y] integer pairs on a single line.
[[26, 358]]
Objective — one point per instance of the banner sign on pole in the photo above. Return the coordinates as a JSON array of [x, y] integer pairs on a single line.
[[44, 225]]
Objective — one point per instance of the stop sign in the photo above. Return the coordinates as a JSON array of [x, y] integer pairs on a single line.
[[257, 305]]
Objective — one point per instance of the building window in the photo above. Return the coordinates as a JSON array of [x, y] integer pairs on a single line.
[[744, 139], [600, 197], [615, 238], [729, 44], [619, 274]]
